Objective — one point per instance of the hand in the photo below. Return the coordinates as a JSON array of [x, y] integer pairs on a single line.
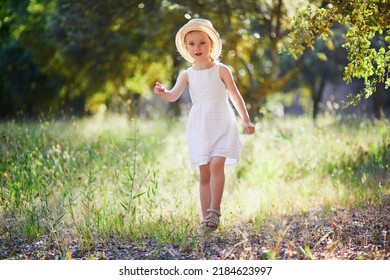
[[159, 89], [249, 128]]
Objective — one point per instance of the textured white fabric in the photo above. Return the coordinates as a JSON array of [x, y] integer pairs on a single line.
[[212, 128]]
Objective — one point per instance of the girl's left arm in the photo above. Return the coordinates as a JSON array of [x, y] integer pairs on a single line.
[[236, 97]]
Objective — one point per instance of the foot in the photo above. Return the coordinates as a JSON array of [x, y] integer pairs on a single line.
[[211, 222]]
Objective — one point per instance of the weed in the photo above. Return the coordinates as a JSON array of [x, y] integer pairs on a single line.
[[97, 178]]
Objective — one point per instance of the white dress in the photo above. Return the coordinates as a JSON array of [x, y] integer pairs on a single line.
[[212, 128]]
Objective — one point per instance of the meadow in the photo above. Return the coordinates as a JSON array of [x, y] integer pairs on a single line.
[[110, 187]]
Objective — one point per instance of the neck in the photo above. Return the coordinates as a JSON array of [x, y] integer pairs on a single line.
[[202, 65]]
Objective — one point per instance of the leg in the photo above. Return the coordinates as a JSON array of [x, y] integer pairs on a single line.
[[217, 181], [204, 188]]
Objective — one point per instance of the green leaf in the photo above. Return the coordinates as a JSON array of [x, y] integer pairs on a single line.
[[138, 195]]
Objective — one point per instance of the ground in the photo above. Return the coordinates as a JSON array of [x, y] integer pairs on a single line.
[[355, 233]]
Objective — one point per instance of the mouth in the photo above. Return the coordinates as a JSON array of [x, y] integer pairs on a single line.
[[198, 53]]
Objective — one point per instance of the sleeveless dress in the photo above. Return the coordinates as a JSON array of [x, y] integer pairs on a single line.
[[211, 126]]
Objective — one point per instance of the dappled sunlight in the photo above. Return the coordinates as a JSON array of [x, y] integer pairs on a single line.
[[285, 167], [114, 176], [97, 126]]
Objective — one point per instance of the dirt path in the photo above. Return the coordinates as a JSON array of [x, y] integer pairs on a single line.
[[358, 233]]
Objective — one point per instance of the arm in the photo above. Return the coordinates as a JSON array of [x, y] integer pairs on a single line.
[[173, 94], [236, 98]]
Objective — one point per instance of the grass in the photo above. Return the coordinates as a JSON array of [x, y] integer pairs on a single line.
[[95, 178]]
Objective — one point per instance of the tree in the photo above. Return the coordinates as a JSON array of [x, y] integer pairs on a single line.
[[111, 48], [324, 64], [77, 53], [366, 41], [27, 84], [88, 52]]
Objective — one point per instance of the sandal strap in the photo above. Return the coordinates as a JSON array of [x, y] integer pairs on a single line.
[[214, 211], [212, 218]]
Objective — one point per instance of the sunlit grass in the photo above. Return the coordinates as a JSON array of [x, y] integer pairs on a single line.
[[114, 177], [293, 167]]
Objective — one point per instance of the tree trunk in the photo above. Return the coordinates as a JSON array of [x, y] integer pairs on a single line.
[[377, 100], [317, 89]]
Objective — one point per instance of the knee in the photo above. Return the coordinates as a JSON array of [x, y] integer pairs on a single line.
[[217, 165], [204, 175]]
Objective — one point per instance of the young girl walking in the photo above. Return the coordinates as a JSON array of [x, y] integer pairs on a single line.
[[213, 137]]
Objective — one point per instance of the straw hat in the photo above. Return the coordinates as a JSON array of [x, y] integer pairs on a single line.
[[198, 24]]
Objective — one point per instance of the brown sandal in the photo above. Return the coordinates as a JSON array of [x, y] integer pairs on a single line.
[[211, 222]]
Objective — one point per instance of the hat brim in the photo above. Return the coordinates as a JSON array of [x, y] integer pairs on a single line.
[[203, 26]]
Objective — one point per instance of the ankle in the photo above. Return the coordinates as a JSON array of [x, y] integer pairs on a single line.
[[213, 210]]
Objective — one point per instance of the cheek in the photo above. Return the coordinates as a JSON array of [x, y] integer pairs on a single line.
[[189, 47]]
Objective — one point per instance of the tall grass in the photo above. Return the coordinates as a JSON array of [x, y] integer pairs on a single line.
[[98, 177]]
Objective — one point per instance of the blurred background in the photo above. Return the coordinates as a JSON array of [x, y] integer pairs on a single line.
[[67, 57]]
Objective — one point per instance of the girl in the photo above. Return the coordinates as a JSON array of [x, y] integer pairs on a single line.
[[213, 138]]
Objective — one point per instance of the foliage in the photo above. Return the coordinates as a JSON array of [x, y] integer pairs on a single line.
[[366, 41], [100, 42], [27, 81], [75, 50], [101, 49], [77, 56]]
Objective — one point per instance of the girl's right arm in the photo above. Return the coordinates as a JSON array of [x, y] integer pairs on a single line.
[[173, 94]]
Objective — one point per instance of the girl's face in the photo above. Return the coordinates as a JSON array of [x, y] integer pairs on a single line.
[[199, 45]]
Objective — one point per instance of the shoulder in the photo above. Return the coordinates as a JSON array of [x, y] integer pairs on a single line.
[[223, 67], [183, 73], [183, 76], [224, 71]]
